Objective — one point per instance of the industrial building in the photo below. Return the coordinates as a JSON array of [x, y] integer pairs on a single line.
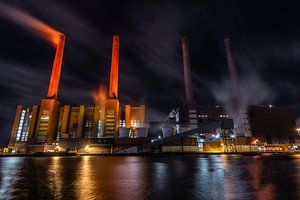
[[273, 125], [188, 111], [266, 123], [42, 127], [262, 124], [110, 127]]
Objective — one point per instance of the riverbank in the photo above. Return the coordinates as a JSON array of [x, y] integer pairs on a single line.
[[64, 154]]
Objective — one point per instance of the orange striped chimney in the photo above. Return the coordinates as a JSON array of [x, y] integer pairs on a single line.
[[56, 69], [114, 69]]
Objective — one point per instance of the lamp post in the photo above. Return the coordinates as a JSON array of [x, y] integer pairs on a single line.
[[298, 130]]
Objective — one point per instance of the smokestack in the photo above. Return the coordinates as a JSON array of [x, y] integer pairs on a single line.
[[56, 69], [45, 31], [114, 69], [187, 70], [233, 77]]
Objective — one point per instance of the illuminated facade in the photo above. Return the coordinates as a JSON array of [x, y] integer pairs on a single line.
[[50, 123], [46, 126], [112, 105], [135, 117], [133, 121], [112, 116], [47, 121], [23, 125], [62, 126], [79, 122]]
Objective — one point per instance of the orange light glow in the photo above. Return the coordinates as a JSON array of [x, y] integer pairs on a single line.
[[31, 23], [46, 32], [56, 69], [114, 70], [99, 95]]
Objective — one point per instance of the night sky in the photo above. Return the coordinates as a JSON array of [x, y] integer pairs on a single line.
[[265, 41]]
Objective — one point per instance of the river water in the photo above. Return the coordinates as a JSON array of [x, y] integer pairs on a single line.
[[158, 177]]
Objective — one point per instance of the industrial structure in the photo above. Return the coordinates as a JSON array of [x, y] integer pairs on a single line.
[[237, 108], [251, 124], [188, 111], [42, 127], [110, 127]]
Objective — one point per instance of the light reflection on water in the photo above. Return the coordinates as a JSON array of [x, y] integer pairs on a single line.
[[54, 176], [9, 175], [161, 177]]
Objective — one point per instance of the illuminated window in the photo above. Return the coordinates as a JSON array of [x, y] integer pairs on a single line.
[[44, 117], [193, 115], [193, 121]]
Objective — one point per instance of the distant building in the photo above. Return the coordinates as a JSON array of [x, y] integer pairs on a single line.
[[269, 124], [211, 112], [273, 125]]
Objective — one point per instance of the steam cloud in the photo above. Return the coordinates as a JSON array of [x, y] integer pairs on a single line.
[[29, 22]]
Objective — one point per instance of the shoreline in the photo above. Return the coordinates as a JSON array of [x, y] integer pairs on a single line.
[[263, 154]]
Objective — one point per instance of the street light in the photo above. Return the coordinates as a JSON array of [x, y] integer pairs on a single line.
[[298, 130], [87, 148]]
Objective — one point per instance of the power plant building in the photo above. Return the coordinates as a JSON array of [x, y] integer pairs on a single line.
[[188, 111], [43, 127], [135, 116], [23, 126], [51, 122], [268, 124], [272, 124]]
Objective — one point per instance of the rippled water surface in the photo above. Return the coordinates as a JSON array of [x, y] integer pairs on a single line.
[[160, 177]]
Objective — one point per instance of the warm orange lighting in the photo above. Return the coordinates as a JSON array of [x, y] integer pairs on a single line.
[[46, 32], [31, 23], [87, 148], [99, 95], [56, 69], [114, 70]]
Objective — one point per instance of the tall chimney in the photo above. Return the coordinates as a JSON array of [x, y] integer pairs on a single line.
[[187, 70], [114, 69], [56, 69], [233, 77]]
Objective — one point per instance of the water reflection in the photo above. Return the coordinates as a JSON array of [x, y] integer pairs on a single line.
[[84, 178], [54, 177], [161, 177], [10, 169], [209, 178], [258, 174], [129, 178]]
